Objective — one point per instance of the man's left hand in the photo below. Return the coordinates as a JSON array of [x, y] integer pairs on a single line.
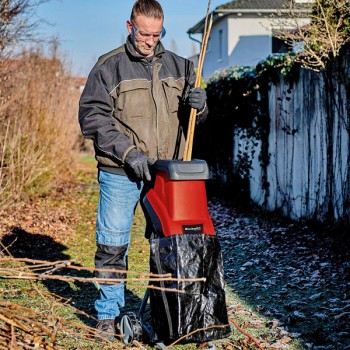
[[196, 98]]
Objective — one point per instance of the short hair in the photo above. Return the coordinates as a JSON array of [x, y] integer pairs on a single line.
[[148, 8]]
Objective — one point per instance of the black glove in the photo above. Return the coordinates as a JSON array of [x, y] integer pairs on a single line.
[[139, 163], [197, 98]]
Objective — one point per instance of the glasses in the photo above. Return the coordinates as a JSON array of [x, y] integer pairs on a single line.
[[140, 35]]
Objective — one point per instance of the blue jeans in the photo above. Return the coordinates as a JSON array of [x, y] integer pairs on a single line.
[[118, 199]]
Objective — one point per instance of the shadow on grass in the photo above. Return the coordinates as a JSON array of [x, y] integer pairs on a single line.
[[23, 244]]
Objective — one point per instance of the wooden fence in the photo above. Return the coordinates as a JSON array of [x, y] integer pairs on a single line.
[[307, 174]]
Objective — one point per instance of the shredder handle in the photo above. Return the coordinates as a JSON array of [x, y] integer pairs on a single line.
[[177, 170]]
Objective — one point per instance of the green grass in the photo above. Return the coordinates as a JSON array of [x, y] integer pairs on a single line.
[[81, 202]]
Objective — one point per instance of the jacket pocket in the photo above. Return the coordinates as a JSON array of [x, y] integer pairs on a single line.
[[173, 90], [134, 100]]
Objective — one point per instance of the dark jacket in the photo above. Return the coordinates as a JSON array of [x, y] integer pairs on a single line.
[[130, 102]]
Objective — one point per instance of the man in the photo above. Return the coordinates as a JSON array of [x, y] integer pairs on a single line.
[[135, 108]]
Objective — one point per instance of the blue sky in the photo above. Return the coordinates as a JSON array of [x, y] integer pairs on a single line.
[[88, 28]]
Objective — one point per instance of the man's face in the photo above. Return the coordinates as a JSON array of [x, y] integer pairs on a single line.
[[145, 33]]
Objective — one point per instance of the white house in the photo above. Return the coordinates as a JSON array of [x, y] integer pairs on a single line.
[[243, 31]]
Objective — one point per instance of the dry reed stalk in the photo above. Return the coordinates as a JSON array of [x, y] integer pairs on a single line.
[[38, 103], [3, 150], [193, 114]]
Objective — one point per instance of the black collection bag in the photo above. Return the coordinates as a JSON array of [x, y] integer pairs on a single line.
[[202, 304]]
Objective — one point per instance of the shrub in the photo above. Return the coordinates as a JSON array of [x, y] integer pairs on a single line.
[[38, 125]]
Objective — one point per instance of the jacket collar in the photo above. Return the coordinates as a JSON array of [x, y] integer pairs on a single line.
[[158, 51]]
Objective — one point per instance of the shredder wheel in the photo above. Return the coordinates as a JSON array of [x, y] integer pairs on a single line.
[[131, 328]]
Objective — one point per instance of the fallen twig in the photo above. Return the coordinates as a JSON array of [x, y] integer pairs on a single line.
[[68, 265], [13, 273], [32, 324], [246, 334], [8, 274], [196, 331]]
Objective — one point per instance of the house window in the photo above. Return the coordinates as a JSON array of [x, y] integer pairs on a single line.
[[279, 46], [221, 43]]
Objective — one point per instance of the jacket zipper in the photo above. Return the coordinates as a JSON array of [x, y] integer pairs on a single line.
[[150, 70]]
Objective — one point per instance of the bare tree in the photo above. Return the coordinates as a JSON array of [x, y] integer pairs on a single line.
[[16, 22], [322, 39]]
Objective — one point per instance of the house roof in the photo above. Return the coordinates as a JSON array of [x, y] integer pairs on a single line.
[[250, 7], [254, 4]]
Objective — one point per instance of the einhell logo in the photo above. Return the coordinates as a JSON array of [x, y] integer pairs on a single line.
[[187, 229]]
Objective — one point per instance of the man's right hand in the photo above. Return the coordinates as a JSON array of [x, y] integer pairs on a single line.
[[139, 163]]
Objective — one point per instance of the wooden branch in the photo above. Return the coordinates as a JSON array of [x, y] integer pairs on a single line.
[[12, 323], [13, 273], [68, 265], [193, 114], [196, 331], [246, 334], [34, 328], [34, 276]]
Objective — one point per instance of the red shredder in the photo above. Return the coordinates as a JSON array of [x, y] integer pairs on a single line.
[[183, 244]]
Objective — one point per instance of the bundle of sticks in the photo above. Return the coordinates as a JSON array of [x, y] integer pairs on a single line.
[[193, 114]]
